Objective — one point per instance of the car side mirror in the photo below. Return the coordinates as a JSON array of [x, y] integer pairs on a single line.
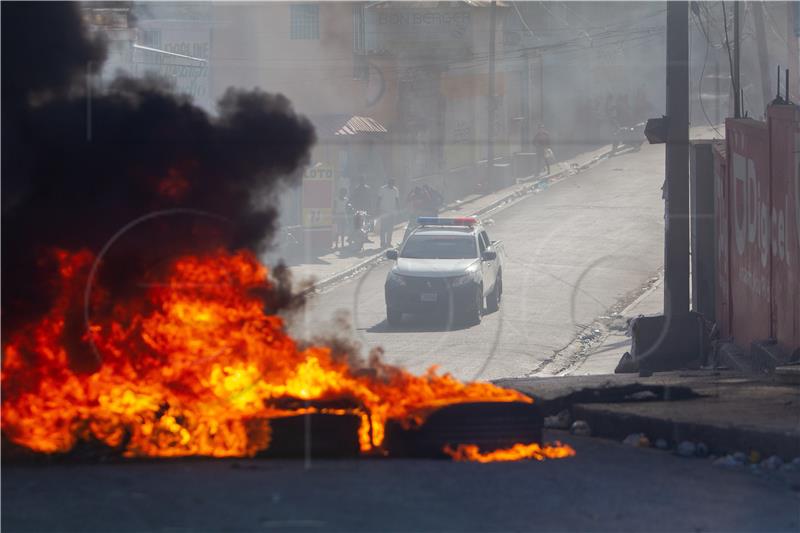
[[489, 255], [391, 254]]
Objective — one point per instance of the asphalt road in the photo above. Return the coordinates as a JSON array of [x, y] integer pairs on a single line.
[[606, 487], [572, 252]]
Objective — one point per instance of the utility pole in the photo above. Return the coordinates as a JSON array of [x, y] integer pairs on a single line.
[[737, 94], [672, 340], [491, 100], [676, 239], [793, 48], [541, 88], [717, 95], [763, 56], [525, 101]]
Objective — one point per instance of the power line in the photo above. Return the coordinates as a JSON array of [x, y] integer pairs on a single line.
[[703, 73]]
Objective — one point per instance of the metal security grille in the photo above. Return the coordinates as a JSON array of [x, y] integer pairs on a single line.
[[151, 38], [304, 21]]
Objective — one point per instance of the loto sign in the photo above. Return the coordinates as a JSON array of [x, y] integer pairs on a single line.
[[318, 182]]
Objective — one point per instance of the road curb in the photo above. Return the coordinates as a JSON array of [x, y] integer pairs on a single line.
[[726, 410], [518, 193], [605, 422]]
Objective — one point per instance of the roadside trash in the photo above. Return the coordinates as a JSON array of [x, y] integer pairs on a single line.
[[728, 461], [662, 444], [558, 421], [581, 428], [701, 450], [638, 440], [773, 462], [754, 456], [686, 449], [642, 396], [740, 456]]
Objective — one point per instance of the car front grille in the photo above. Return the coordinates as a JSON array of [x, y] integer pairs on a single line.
[[427, 284]]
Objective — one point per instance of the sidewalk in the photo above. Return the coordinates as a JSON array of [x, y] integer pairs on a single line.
[[729, 412], [337, 264], [605, 357]]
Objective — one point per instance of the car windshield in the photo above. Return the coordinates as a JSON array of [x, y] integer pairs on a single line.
[[440, 247]]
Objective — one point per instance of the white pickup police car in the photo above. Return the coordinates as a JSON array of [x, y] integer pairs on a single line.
[[448, 267]]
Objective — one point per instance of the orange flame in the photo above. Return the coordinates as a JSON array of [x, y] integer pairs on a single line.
[[518, 452], [192, 366]]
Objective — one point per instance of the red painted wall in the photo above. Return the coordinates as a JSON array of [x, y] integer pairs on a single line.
[[758, 229]]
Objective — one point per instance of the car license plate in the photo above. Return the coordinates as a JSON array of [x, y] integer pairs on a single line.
[[428, 296]]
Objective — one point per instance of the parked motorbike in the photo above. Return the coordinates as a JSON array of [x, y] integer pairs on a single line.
[[629, 136], [359, 231]]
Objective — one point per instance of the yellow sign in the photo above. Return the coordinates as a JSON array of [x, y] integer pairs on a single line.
[[317, 216]]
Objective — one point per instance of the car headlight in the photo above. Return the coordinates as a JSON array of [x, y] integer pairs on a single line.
[[460, 281], [395, 279]]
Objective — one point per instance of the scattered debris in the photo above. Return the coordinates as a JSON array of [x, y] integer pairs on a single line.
[[686, 449], [642, 396], [701, 450], [729, 461], [754, 457], [773, 462], [662, 444], [637, 440], [740, 456], [561, 420], [580, 428]]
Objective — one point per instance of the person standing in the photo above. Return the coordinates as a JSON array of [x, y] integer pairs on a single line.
[[388, 205], [433, 201], [415, 205], [361, 196], [341, 205], [542, 142]]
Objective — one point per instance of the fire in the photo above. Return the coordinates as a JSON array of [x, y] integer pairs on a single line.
[[471, 452], [192, 365]]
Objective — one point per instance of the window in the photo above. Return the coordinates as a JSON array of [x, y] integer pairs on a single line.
[[304, 21], [481, 244], [439, 247]]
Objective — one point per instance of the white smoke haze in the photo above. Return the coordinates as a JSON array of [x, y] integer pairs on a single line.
[[420, 70]]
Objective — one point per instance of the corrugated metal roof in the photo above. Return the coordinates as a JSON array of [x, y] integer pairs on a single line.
[[357, 125], [337, 125]]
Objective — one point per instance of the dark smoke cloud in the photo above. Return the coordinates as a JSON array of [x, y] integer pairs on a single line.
[[76, 170]]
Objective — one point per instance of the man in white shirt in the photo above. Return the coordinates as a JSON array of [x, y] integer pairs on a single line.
[[388, 205]]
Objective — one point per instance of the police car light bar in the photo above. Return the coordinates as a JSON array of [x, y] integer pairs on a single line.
[[437, 221]]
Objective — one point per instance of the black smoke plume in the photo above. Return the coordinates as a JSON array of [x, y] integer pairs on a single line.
[[79, 164]]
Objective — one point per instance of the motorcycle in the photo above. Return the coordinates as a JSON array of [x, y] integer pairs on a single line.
[[359, 230], [630, 136]]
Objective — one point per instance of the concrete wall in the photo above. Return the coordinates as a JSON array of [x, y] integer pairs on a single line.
[[758, 230]]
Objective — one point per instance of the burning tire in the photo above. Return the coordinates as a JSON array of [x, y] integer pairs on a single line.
[[489, 425]]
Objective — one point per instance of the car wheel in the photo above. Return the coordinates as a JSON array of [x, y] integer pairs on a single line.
[[473, 315], [493, 300], [393, 316]]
